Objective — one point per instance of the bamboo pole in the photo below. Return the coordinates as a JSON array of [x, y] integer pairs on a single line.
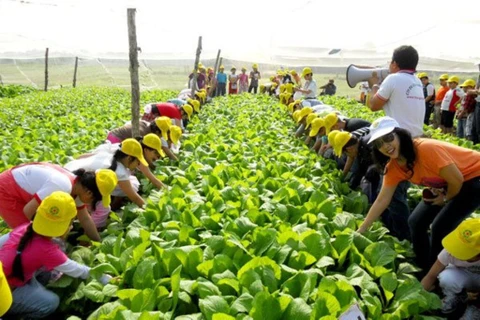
[[133, 55]]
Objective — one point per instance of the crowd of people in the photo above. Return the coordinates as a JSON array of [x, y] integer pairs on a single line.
[[385, 157], [40, 201], [217, 84]]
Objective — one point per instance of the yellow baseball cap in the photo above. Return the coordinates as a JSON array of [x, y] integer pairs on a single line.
[[196, 104], [272, 78], [289, 87], [317, 124], [443, 77], [463, 243], [306, 71], [133, 148], [54, 214], [153, 141], [106, 181], [291, 106], [175, 133], [255, 66], [221, 67], [282, 88], [163, 123], [295, 115], [340, 141], [293, 73], [310, 118], [331, 137], [453, 79], [233, 68], [469, 83], [244, 69], [304, 112], [422, 75], [330, 120], [188, 109], [5, 293]]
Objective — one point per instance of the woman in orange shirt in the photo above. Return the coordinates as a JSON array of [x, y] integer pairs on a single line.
[[451, 173]]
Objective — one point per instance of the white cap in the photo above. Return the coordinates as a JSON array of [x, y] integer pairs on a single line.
[[381, 127]]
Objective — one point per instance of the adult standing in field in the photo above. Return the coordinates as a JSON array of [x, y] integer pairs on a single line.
[[29, 250], [469, 104], [24, 187], [437, 112], [254, 78], [429, 94], [243, 81], [451, 173], [309, 90], [400, 95], [221, 82]]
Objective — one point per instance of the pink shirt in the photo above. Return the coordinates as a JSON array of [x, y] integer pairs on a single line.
[[243, 78], [40, 252]]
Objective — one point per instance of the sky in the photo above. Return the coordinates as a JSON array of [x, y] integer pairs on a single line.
[[244, 29]]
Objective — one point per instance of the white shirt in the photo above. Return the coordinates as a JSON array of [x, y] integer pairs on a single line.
[[312, 86], [403, 93], [430, 90], [101, 160], [42, 180], [447, 100], [446, 258]]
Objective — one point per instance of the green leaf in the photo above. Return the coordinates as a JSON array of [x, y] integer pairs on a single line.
[[325, 305], [213, 304], [222, 316], [261, 262], [265, 307], [298, 309], [175, 283], [94, 291], [243, 304], [379, 254], [389, 283]]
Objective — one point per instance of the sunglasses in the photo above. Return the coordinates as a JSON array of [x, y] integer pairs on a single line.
[[385, 139]]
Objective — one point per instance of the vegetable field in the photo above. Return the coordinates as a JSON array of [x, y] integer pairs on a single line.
[[254, 225]]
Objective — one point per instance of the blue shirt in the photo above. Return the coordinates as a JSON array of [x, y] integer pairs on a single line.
[[177, 102], [222, 77]]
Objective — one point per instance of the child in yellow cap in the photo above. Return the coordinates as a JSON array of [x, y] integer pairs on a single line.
[[122, 158], [30, 248], [254, 79], [24, 187], [171, 144], [456, 268], [243, 81]]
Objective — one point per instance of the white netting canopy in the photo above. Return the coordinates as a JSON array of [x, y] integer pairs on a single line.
[[277, 32]]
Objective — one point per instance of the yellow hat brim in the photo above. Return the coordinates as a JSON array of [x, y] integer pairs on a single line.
[[458, 249], [49, 228]]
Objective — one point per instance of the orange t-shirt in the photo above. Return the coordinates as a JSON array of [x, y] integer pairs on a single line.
[[442, 91], [432, 156]]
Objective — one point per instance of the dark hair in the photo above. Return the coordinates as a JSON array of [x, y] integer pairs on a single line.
[[87, 179], [155, 109], [353, 141], [406, 57], [154, 128], [17, 267], [407, 150], [117, 157]]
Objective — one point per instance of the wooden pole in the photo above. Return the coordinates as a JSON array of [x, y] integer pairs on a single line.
[[216, 62], [195, 66], [75, 73], [220, 62], [46, 70], [133, 54]]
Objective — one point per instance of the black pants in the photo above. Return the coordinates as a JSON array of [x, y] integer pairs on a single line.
[[443, 220], [476, 124], [428, 113], [252, 88], [221, 89]]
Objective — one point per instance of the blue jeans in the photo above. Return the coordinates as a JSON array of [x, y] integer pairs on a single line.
[[440, 220], [461, 128], [395, 217], [33, 301]]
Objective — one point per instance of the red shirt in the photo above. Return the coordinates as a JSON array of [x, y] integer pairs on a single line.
[[167, 109]]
